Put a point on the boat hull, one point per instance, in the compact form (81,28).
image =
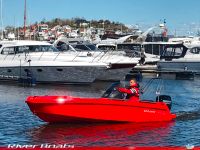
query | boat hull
(72,109)
(113,74)
(180,65)
(51,72)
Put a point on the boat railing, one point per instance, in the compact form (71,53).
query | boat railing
(99,55)
(14,56)
(60,52)
(5,57)
(57,56)
(9,55)
(76,56)
(41,55)
(110,54)
(102,56)
(107,54)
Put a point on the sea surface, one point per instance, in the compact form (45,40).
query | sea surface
(19,126)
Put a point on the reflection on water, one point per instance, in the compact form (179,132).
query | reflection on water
(125,134)
(20,126)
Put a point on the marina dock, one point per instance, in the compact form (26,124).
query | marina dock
(153,71)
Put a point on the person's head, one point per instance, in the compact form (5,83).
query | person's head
(133,83)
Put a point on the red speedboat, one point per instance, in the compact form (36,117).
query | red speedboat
(107,108)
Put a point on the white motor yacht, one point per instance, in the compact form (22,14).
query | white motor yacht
(119,64)
(19,59)
(178,57)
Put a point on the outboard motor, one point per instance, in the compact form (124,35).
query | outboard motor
(166,99)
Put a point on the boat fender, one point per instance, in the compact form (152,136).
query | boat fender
(166,99)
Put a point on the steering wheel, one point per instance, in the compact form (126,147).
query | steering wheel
(116,94)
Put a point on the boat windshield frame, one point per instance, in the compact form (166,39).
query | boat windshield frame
(170,52)
(85,46)
(112,93)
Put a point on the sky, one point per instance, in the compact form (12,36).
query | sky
(179,14)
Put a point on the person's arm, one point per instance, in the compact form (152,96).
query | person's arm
(125,90)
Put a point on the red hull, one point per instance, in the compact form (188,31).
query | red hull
(73,109)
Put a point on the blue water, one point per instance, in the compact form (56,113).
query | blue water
(20,126)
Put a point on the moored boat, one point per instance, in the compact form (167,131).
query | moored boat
(47,65)
(39,60)
(179,57)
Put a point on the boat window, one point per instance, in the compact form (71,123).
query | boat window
(54,49)
(195,50)
(65,47)
(131,39)
(21,49)
(75,42)
(59,69)
(8,50)
(135,47)
(106,47)
(60,43)
(154,49)
(41,48)
(9,70)
(39,70)
(175,51)
(130,49)
(26,70)
(81,47)
(61,46)
(46,48)
(92,47)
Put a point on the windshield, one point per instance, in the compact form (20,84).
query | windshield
(92,47)
(107,47)
(81,47)
(112,92)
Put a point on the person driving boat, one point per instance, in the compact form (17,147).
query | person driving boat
(132,92)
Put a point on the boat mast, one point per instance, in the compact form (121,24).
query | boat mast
(2,19)
(24,19)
